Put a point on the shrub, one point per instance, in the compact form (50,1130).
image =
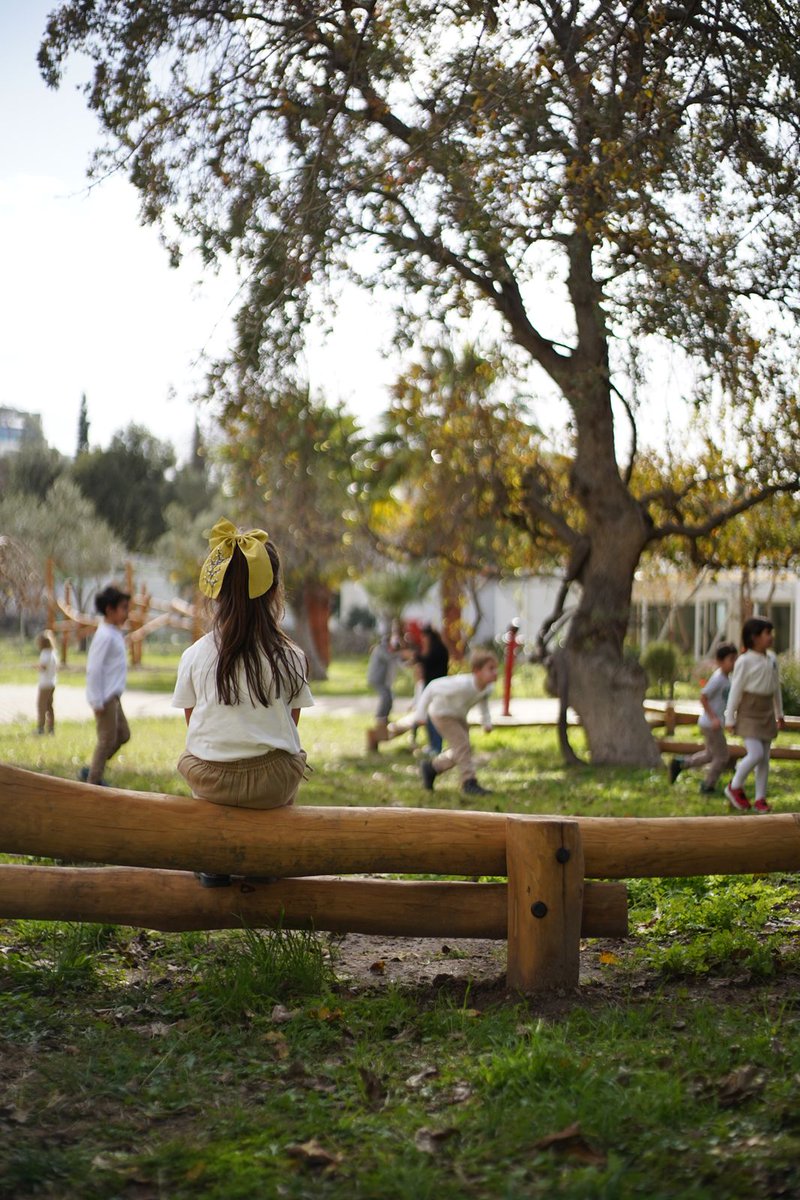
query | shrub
(661,661)
(790,684)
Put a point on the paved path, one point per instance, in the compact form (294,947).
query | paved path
(18,703)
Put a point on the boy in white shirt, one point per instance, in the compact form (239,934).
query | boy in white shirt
(106,676)
(447,701)
(713,698)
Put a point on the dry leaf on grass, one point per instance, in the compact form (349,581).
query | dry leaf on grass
(740,1085)
(431,1141)
(281,1014)
(314,1155)
(422,1076)
(324,1013)
(278,1043)
(570,1143)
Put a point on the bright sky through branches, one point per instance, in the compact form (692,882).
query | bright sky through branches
(89,303)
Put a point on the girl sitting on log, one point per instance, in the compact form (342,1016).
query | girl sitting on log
(242,685)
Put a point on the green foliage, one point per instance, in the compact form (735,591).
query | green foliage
(261,967)
(56,957)
(32,470)
(790,684)
(661,661)
(393,590)
(83,428)
(694,927)
(129,484)
(291,459)
(66,528)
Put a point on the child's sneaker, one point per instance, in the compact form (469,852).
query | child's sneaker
(675,768)
(428,774)
(471,787)
(761,806)
(737,798)
(707,789)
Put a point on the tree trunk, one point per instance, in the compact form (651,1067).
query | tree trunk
(303,636)
(317,602)
(606,689)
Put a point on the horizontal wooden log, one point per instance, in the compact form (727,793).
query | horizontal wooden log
(60,818)
(173,901)
(673,746)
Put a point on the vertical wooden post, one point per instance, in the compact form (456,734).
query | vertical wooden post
(545,866)
(67,624)
(50,587)
(669,719)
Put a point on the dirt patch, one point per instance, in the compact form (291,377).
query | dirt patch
(473,971)
(363,962)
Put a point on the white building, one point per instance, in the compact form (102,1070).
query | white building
(15,427)
(696,612)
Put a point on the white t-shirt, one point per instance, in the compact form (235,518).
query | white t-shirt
(106,665)
(454,696)
(716,693)
(227,732)
(757,673)
(47,669)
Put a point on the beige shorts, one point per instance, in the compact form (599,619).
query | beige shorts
(270,780)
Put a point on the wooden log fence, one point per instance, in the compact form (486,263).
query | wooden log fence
(287,865)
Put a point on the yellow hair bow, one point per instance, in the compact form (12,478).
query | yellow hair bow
(223,540)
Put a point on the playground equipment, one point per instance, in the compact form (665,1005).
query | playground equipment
(546,905)
(166,614)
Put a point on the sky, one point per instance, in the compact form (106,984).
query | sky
(88,302)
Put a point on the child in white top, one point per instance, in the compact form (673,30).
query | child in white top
(242,685)
(754,711)
(47,667)
(447,701)
(106,677)
(713,697)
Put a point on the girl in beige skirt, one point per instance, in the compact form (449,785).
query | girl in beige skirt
(754,711)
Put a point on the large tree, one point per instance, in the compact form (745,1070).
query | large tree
(294,462)
(591,172)
(130,485)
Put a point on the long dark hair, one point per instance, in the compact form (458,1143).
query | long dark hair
(248,631)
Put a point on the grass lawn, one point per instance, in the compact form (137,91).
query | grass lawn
(140,1065)
(347,675)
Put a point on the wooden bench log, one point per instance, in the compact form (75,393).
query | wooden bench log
(174,901)
(42,815)
(671,745)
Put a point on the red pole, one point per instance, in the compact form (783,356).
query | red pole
(510,640)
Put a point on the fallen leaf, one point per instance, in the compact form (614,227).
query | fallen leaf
(570,1143)
(608,959)
(280,1014)
(431,1141)
(740,1085)
(378,968)
(12,1114)
(279,1044)
(323,1013)
(416,1080)
(313,1154)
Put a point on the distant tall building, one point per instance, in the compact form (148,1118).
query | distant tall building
(17,427)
